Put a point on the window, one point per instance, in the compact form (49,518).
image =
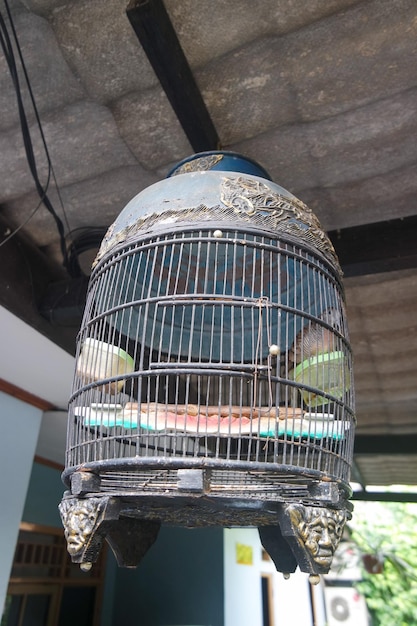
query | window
(46,588)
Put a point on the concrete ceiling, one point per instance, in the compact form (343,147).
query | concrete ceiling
(322,94)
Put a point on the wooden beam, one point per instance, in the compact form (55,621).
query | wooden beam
(48,463)
(154,29)
(25,396)
(386,444)
(384,496)
(378,247)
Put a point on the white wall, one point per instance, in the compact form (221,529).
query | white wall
(32,362)
(242,583)
(20,424)
(243,597)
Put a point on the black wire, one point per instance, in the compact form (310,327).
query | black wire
(32,97)
(22,225)
(90,237)
(7,47)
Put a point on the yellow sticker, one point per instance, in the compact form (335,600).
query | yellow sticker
(244,554)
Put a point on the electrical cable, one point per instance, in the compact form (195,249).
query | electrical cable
(32,97)
(22,225)
(7,47)
(89,238)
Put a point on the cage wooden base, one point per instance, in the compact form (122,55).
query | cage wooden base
(300,518)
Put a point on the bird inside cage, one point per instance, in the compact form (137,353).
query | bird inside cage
(317,359)
(316,338)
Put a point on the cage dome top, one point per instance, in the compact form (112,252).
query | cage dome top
(218,187)
(219,160)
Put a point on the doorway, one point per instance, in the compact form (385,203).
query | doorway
(267,600)
(30,605)
(46,588)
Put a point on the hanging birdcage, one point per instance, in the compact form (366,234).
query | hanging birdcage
(213,380)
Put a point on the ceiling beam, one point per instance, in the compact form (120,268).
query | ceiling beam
(378,247)
(385,496)
(154,29)
(386,444)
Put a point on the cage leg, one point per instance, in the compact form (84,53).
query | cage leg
(278,549)
(84,521)
(130,539)
(314,533)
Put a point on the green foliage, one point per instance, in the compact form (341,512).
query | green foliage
(389,532)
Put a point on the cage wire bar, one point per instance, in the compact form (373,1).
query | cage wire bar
(213,381)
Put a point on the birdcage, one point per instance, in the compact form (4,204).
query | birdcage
(213,381)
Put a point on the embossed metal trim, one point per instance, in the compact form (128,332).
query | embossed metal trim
(319,530)
(241,199)
(252,197)
(202,164)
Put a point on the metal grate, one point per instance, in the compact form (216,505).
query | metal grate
(248,483)
(222,344)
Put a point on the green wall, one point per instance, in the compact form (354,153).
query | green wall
(44,494)
(178,582)
(20,425)
(41,507)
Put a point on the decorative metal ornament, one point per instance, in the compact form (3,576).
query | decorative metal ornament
(213,381)
(81,519)
(200,164)
(318,531)
(286,215)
